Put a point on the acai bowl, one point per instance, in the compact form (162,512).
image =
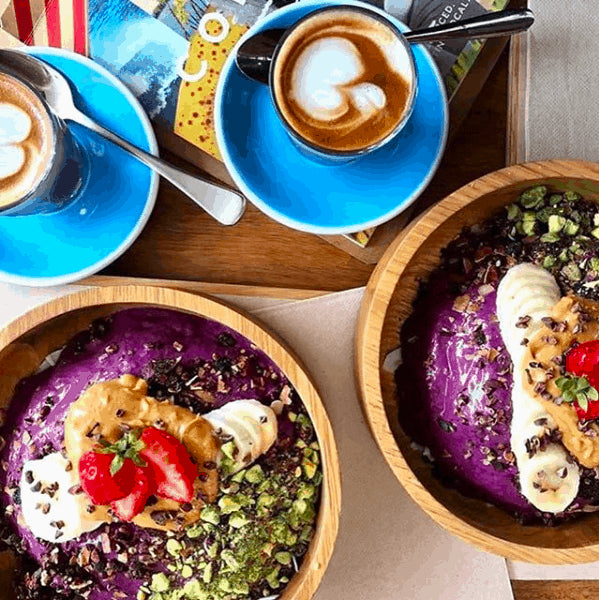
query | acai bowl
(486,415)
(159,445)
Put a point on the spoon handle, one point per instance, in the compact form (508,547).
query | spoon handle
(487,26)
(223,204)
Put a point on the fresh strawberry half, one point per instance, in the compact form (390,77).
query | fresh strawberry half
(172,467)
(128,507)
(583,360)
(581,383)
(99,483)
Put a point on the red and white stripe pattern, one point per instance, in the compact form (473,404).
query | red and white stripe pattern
(57,23)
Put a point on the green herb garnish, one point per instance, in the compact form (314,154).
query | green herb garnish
(128,446)
(577,389)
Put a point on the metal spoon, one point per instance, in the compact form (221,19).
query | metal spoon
(225,205)
(255,54)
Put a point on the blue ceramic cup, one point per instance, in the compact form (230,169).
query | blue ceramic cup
(64,168)
(393,45)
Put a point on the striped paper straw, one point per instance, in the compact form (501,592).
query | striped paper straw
(57,23)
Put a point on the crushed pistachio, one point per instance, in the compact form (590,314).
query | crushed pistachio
(253,538)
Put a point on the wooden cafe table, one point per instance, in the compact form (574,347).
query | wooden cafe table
(181,242)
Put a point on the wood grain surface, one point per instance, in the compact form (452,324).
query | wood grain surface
(556,590)
(387,303)
(181,242)
(27,340)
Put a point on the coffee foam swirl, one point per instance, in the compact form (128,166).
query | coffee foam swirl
(26,138)
(323,80)
(343,78)
(15,126)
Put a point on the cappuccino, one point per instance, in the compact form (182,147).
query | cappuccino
(26,140)
(343,79)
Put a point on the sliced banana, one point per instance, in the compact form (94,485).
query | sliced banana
(547,483)
(224,428)
(548,480)
(51,509)
(263,416)
(252,425)
(525,295)
(240,422)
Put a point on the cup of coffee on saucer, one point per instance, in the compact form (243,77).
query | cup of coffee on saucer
(343,82)
(43,167)
(355,150)
(71,202)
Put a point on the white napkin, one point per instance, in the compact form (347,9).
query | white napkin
(387,549)
(563,87)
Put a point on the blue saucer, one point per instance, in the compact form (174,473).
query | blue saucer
(303,194)
(116,203)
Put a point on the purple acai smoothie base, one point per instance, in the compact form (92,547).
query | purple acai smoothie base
(133,340)
(455,393)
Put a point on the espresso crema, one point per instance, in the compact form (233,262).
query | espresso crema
(343,79)
(26,140)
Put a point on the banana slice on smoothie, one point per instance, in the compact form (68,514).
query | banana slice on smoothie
(549,487)
(548,480)
(251,424)
(525,295)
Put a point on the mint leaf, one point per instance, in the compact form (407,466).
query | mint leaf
(583,402)
(579,389)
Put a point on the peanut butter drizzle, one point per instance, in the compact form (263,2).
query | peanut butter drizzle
(102,410)
(549,344)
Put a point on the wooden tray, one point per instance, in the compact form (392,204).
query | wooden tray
(27,340)
(202,287)
(387,303)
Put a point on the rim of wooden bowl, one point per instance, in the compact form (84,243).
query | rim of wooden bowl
(306,581)
(390,273)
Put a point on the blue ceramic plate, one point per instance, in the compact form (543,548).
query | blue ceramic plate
(114,206)
(325,199)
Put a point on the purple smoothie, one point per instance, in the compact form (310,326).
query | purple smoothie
(455,382)
(229,367)
(455,387)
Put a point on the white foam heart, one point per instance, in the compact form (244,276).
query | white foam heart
(15,124)
(12,159)
(316,86)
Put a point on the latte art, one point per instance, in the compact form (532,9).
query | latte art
(343,79)
(15,126)
(324,81)
(25,140)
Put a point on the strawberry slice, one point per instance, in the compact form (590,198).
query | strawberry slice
(590,414)
(128,507)
(100,483)
(583,360)
(172,467)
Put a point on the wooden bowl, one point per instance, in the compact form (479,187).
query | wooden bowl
(26,341)
(387,303)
